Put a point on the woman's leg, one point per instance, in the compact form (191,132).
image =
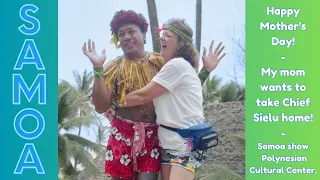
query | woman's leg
(180,173)
(165,171)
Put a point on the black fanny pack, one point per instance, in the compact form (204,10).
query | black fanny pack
(203,135)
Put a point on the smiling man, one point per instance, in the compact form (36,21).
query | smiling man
(133,148)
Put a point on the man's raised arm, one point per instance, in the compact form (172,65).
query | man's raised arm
(101,93)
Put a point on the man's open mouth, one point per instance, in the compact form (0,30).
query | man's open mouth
(129,44)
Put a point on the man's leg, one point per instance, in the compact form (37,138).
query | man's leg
(147,176)
(149,157)
(118,162)
(114,178)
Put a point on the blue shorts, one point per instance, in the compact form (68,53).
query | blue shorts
(188,160)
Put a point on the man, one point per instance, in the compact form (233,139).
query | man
(133,145)
(133,148)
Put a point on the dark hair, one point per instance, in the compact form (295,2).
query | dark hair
(187,49)
(126,17)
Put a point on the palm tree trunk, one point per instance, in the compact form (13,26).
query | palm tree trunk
(79,132)
(198,24)
(82,113)
(153,25)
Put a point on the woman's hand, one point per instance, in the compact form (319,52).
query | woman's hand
(211,61)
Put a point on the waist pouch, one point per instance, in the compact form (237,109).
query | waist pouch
(203,135)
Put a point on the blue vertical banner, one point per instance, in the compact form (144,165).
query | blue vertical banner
(29,54)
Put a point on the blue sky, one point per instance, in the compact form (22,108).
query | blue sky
(80,20)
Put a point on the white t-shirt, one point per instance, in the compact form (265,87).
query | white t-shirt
(181,107)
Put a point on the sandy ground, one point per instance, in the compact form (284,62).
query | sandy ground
(228,119)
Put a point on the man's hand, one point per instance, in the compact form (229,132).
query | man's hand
(96,60)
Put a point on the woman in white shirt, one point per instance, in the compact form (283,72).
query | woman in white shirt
(176,91)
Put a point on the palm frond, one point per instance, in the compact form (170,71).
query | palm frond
(85,159)
(72,177)
(87,80)
(80,154)
(66,107)
(84,82)
(70,172)
(77,77)
(210,89)
(77,122)
(102,133)
(212,84)
(75,111)
(229,92)
(75,148)
(241,95)
(83,143)
(63,156)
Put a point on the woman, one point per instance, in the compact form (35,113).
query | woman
(177,96)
